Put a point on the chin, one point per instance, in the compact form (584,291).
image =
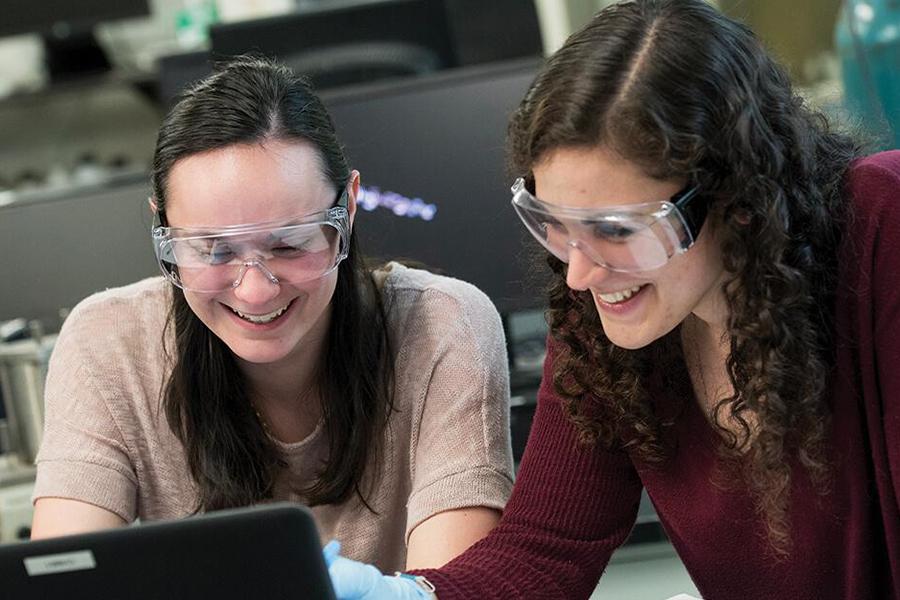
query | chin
(259,353)
(627,339)
(629,344)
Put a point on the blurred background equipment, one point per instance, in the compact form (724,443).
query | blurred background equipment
(23,368)
(439,140)
(67,30)
(24,352)
(340,43)
(349,43)
(867,39)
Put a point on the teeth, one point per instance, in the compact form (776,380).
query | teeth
(260,319)
(616,297)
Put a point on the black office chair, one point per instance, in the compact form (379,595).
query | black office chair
(361,62)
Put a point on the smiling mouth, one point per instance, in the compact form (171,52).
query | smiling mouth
(620,296)
(262,319)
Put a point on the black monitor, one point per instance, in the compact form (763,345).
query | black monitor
(67,29)
(347,43)
(431,155)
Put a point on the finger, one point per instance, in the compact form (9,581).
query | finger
(331,551)
(353,580)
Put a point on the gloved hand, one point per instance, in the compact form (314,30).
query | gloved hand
(358,581)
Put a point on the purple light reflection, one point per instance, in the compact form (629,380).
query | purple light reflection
(371,198)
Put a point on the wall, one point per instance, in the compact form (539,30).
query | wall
(799,32)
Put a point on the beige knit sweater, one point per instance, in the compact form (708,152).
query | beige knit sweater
(107,442)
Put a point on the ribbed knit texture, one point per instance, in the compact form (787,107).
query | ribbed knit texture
(447,446)
(572,506)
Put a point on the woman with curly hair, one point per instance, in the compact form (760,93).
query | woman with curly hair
(725,326)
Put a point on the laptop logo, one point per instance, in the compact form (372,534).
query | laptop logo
(64,562)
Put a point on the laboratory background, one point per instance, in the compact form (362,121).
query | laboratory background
(420,92)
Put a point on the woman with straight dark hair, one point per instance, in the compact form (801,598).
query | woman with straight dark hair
(270,363)
(725,326)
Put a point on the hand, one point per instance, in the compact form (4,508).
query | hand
(358,581)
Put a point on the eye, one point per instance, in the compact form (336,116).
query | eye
(295,243)
(220,255)
(551,225)
(289,243)
(612,230)
(285,250)
(214,253)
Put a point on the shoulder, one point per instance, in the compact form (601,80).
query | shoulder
(436,319)
(109,356)
(873,186)
(871,248)
(124,316)
(407,290)
(139,293)
(143,300)
(883,163)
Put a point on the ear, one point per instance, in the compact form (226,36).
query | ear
(353,193)
(743,217)
(153,206)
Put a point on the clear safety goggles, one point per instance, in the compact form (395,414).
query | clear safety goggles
(627,238)
(202,259)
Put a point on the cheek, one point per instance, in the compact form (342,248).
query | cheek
(201,304)
(209,310)
(708,264)
(317,294)
(690,277)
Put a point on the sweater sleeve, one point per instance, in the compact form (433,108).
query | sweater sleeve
(84,454)
(461,454)
(875,184)
(571,507)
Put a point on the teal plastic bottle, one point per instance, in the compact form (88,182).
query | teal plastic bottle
(867,40)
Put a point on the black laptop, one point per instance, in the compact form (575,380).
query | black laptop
(269,552)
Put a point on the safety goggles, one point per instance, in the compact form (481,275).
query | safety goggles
(628,238)
(202,259)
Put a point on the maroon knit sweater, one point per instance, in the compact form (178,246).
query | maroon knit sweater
(572,505)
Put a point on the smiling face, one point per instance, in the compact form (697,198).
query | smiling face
(641,307)
(260,321)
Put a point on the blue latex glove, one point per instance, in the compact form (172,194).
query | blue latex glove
(358,581)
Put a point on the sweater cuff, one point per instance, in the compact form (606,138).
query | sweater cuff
(86,482)
(479,486)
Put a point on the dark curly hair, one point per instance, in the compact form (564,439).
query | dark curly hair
(686,93)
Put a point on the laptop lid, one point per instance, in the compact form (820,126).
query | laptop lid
(271,551)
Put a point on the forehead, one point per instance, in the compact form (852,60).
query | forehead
(596,177)
(247,183)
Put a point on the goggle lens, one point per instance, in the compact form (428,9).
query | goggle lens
(627,239)
(291,254)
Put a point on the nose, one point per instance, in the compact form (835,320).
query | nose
(256,285)
(582,271)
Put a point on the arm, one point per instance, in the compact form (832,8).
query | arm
(61,516)
(456,529)
(571,507)
(870,331)
(461,457)
(874,235)
(85,478)
(881,187)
